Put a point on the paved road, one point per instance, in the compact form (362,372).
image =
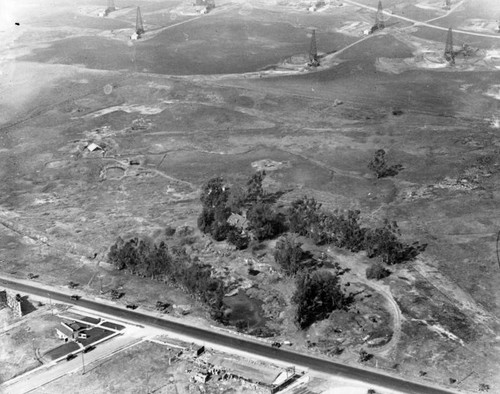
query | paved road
(49,372)
(242,344)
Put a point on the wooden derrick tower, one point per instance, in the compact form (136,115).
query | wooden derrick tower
(139,26)
(379,17)
(449,54)
(111,7)
(313,51)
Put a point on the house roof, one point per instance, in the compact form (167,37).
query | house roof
(75,326)
(65,330)
(92,147)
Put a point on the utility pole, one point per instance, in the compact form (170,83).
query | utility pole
(50,304)
(83,363)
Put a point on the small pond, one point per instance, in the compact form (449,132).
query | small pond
(245,308)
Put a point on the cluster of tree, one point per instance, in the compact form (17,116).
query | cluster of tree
(145,258)
(220,201)
(305,217)
(318,293)
(385,243)
(378,164)
(343,229)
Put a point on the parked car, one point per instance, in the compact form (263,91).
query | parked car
(276,344)
(75,297)
(72,285)
(70,356)
(88,349)
(131,306)
(32,276)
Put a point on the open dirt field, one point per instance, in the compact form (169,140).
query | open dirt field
(189,101)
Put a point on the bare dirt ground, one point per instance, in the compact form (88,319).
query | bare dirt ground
(164,133)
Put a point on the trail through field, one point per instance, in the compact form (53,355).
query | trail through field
(418,23)
(357,270)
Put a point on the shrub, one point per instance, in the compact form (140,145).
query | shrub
(377,271)
(364,356)
(184,231)
(169,231)
(379,166)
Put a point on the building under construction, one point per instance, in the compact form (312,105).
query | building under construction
(313,51)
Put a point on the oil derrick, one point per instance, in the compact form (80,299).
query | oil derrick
(449,54)
(139,27)
(313,51)
(379,17)
(111,7)
(447,4)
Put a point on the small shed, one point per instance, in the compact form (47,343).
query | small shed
(92,147)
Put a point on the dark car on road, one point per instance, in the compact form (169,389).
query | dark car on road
(75,297)
(131,306)
(70,357)
(88,349)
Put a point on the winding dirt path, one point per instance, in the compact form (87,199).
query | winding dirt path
(358,273)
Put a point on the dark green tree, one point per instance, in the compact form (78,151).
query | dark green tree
(289,254)
(255,191)
(214,193)
(303,215)
(264,221)
(317,295)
